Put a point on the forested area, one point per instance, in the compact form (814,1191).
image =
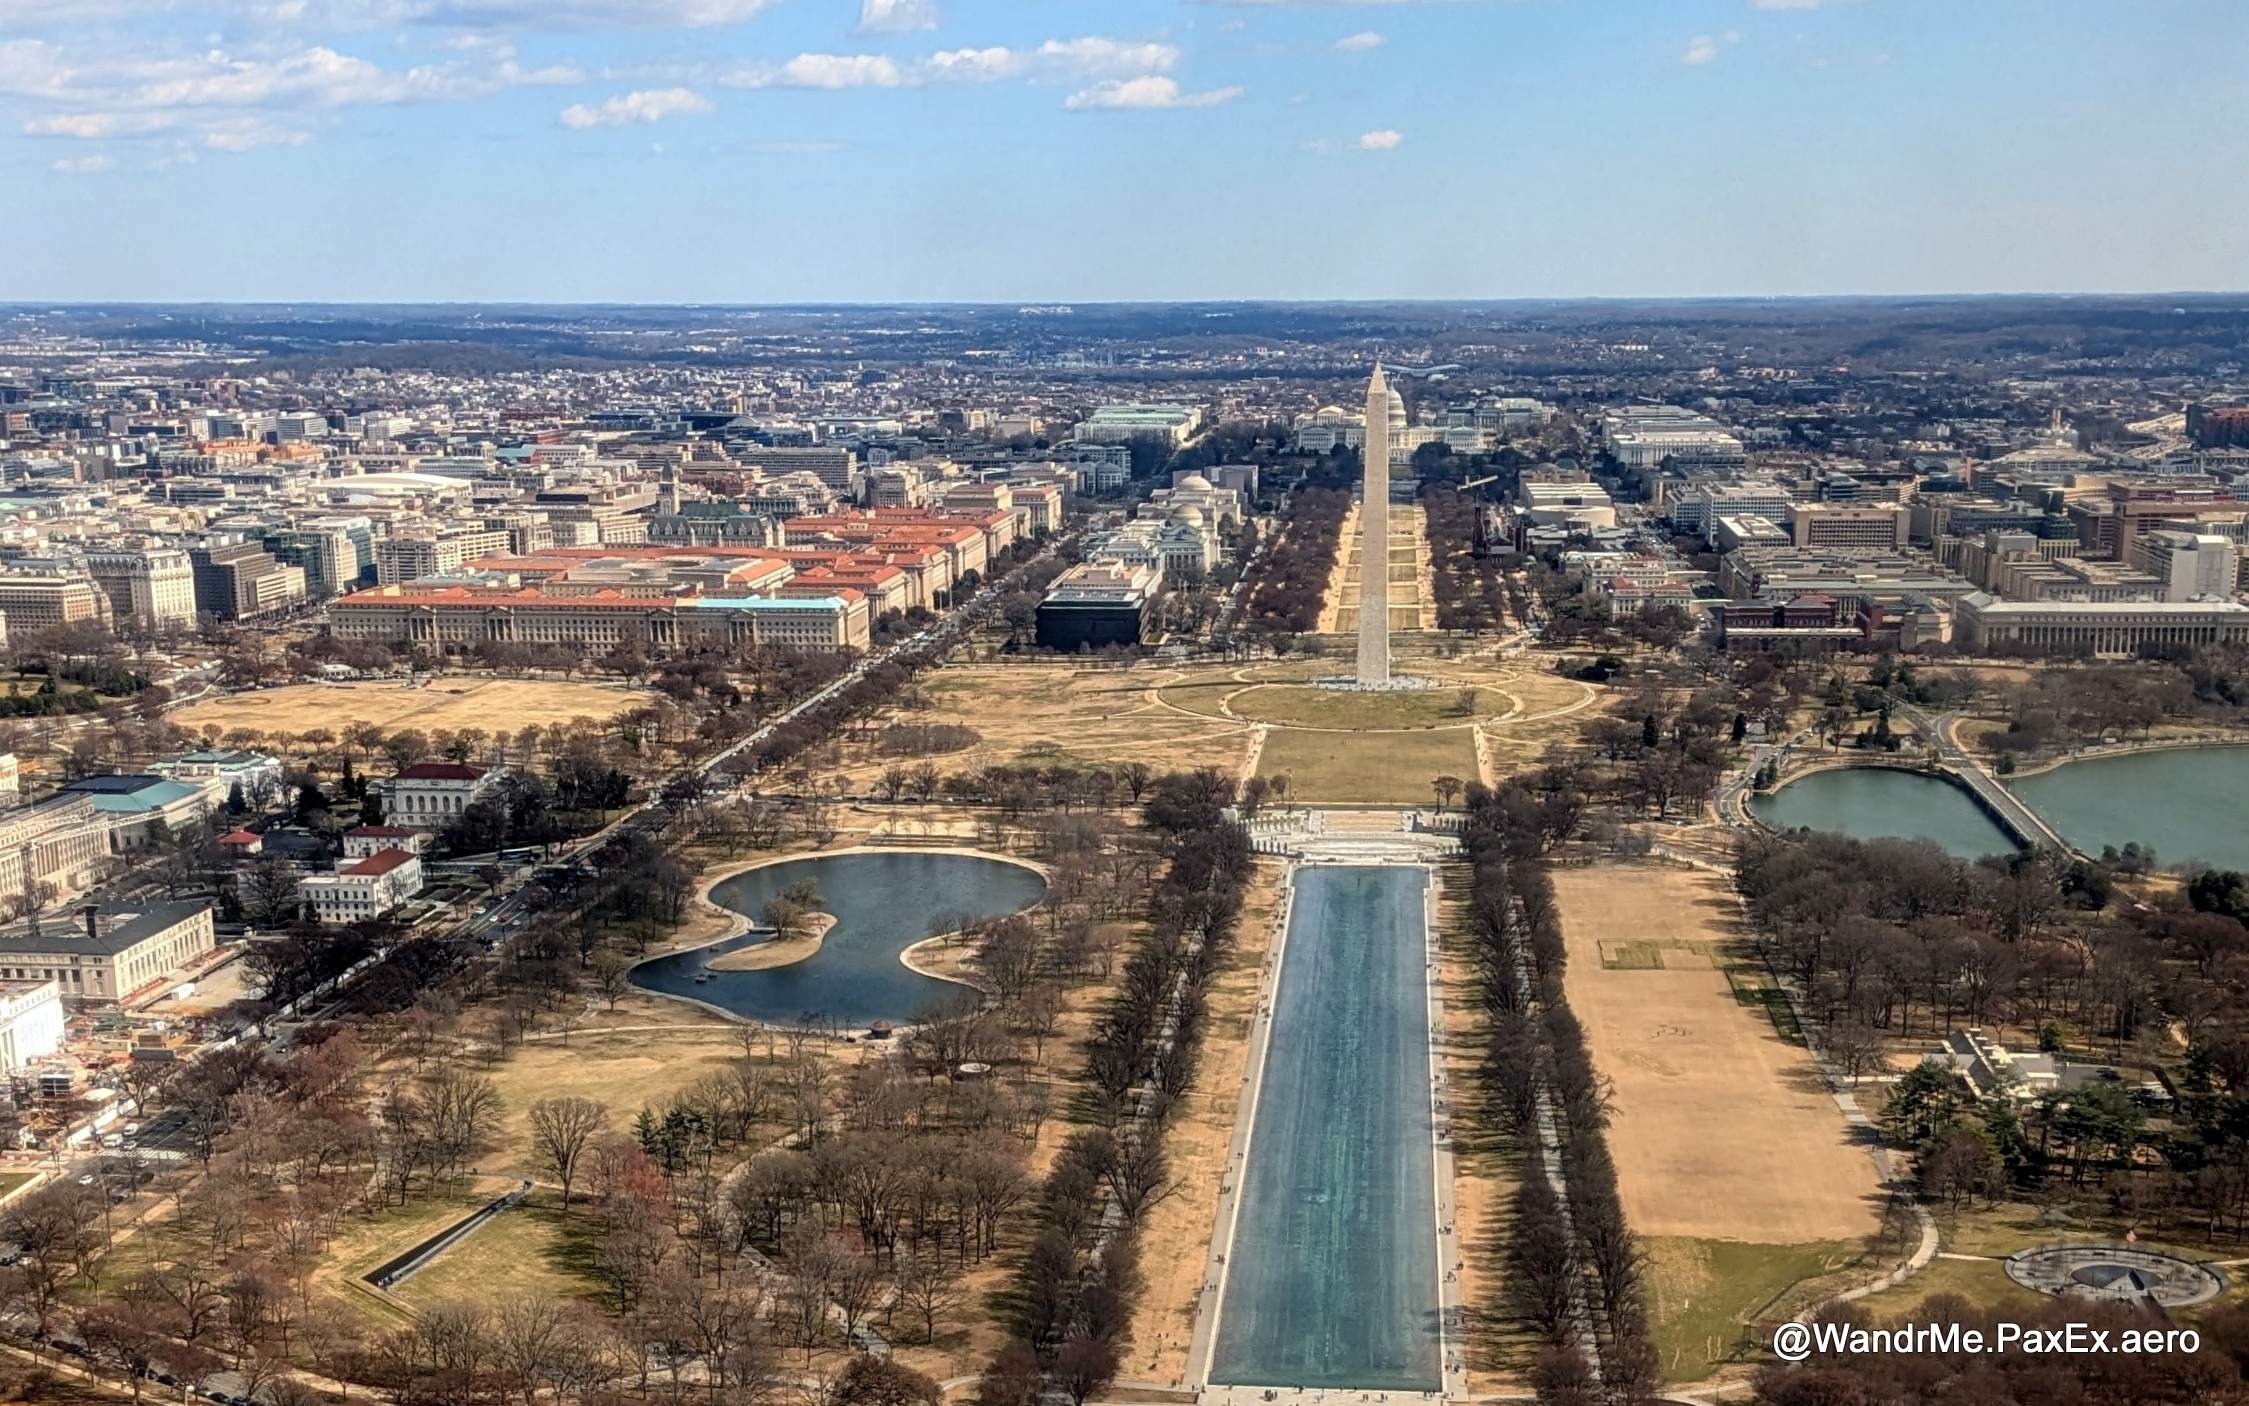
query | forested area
(1894,938)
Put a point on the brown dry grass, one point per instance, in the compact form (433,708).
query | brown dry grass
(445,703)
(1048,713)
(1722,1130)
(1411,586)
(1178,1232)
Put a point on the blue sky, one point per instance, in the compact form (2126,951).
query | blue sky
(876,150)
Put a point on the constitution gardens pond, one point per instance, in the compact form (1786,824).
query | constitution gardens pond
(883,902)
(1874,803)
(2188,802)
(1332,1277)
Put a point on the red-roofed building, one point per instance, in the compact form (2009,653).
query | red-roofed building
(365,889)
(459,618)
(430,795)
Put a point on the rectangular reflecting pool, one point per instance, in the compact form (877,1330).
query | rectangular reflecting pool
(1332,1276)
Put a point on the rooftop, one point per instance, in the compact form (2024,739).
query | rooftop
(118,928)
(380,862)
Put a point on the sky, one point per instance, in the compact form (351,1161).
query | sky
(757,151)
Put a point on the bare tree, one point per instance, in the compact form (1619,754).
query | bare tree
(561,1130)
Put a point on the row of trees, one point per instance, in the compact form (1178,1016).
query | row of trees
(1286,597)
(1473,587)
(1070,1303)
(1573,1267)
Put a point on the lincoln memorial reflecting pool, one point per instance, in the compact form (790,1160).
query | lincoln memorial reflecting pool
(883,902)
(1332,1277)
(2190,803)
(1873,803)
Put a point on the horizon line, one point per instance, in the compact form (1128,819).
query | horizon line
(20,303)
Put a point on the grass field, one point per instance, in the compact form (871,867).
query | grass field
(1394,768)
(625,1071)
(531,1250)
(1722,1129)
(1981,1282)
(1709,1297)
(1048,713)
(1327,707)
(455,703)
(1411,604)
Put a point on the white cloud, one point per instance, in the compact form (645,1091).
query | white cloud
(1057,60)
(896,16)
(1098,54)
(825,71)
(94,126)
(1386,139)
(1151,90)
(82,165)
(516,15)
(1359,43)
(232,102)
(648,105)
(1700,50)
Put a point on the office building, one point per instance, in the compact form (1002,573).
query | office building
(1097,604)
(1875,525)
(149,588)
(2113,628)
(363,890)
(2189,565)
(32,602)
(1117,424)
(237,579)
(837,468)
(114,954)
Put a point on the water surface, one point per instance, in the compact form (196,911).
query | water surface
(2189,802)
(883,902)
(1332,1275)
(1875,803)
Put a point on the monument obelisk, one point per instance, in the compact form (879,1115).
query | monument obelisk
(1374,539)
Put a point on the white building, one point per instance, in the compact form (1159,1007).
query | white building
(2191,565)
(31,1022)
(363,841)
(152,588)
(220,770)
(364,889)
(116,954)
(1982,621)
(1217,505)
(1331,425)
(1115,424)
(429,795)
(1643,436)
(1580,507)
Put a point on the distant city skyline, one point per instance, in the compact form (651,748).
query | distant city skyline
(804,151)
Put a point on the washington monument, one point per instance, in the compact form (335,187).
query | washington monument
(1374,540)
